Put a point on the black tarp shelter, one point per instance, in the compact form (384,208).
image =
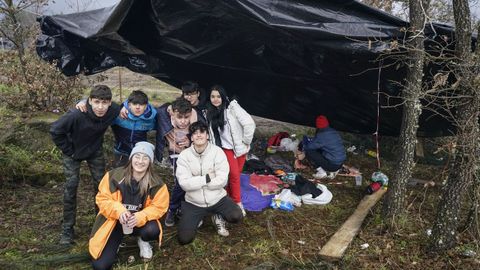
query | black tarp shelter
(284,60)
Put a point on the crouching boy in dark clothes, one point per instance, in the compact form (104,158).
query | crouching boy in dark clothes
(173,122)
(80,137)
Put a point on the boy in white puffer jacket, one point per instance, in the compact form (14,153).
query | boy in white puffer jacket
(202,172)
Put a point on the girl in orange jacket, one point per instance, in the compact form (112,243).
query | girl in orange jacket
(130,200)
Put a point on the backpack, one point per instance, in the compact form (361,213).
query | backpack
(277,138)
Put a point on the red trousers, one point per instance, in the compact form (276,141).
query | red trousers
(236,167)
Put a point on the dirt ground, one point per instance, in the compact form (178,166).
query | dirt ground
(31,212)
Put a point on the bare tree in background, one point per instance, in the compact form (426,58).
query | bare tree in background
(12,27)
(32,84)
(394,205)
(385,5)
(463,171)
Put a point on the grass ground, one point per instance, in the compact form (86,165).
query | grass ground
(31,191)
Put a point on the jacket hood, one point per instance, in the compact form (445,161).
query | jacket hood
(148,114)
(110,115)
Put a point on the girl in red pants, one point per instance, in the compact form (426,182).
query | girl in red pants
(231,128)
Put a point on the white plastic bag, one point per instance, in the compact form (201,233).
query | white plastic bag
(287,196)
(287,144)
(323,198)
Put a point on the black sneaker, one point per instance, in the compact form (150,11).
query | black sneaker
(170,219)
(66,239)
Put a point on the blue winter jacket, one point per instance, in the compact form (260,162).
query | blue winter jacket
(133,129)
(329,143)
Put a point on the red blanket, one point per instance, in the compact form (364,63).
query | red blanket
(266,184)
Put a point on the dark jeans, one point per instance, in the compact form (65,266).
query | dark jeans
(149,232)
(318,160)
(192,214)
(177,196)
(71,168)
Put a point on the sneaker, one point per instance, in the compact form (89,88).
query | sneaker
(66,239)
(243,209)
(220,224)
(332,175)
(170,219)
(320,174)
(145,249)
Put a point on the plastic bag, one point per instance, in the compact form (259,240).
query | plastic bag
(287,196)
(287,144)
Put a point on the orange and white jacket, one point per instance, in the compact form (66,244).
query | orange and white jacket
(109,201)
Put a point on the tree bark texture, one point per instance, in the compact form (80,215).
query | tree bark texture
(394,205)
(462,173)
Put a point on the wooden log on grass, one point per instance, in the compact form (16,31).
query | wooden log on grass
(339,242)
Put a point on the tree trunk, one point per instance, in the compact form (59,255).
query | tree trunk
(394,205)
(462,174)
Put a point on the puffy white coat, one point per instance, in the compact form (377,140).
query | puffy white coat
(192,169)
(241,126)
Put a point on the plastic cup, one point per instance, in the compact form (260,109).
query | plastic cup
(127,229)
(358,180)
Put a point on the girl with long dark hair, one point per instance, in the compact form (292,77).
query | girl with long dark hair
(232,129)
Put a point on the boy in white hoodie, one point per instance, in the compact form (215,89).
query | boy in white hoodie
(202,172)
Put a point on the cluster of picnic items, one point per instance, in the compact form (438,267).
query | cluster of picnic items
(274,182)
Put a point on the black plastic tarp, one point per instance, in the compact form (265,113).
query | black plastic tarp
(284,60)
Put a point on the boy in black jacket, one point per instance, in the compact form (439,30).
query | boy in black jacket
(80,137)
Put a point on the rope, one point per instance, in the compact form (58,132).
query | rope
(378,114)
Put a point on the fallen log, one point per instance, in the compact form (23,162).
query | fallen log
(339,242)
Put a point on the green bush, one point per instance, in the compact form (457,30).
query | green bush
(14,159)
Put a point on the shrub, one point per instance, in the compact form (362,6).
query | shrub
(41,87)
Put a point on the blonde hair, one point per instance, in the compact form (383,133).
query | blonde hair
(147,181)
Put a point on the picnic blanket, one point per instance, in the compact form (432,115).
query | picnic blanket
(252,199)
(266,184)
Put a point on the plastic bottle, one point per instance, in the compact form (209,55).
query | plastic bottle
(371,153)
(373,187)
(358,180)
(287,206)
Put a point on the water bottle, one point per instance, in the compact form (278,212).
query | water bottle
(287,206)
(373,187)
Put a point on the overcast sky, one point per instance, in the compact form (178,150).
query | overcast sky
(72,6)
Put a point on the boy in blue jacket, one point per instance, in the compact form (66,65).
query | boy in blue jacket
(141,118)
(325,151)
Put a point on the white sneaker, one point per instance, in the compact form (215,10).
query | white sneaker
(145,249)
(321,173)
(332,175)
(240,204)
(220,224)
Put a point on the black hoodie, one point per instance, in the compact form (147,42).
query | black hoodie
(78,134)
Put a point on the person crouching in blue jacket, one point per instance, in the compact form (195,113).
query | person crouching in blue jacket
(325,151)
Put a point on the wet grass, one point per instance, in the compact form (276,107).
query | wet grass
(31,212)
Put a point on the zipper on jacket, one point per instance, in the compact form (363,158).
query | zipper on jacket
(233,141)
(201,173)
